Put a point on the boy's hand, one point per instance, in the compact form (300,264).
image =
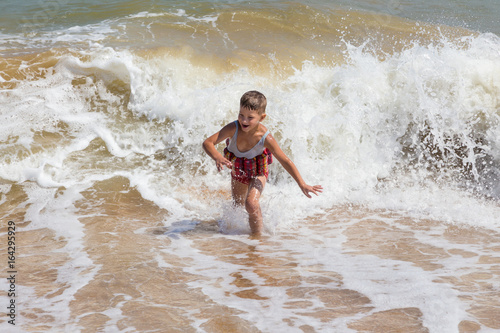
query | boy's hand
(314,189)
(221,162)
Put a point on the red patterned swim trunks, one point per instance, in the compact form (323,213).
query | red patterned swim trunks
(244,169)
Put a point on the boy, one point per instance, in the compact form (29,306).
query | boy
(250,149)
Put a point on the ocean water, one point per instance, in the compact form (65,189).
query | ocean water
(123,224)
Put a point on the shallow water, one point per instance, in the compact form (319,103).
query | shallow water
(350,269)
(124,225)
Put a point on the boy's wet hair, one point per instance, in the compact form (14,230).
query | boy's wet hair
(254,100)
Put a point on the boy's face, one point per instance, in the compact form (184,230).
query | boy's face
(249,119)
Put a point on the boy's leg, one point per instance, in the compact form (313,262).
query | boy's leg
(252,204)
(239,192)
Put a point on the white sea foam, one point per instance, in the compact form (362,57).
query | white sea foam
(56,212)
(389,284)
(344,126)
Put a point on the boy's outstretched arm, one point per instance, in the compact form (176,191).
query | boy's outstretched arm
(290,167)
(209,146)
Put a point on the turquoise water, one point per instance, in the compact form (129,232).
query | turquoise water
(480,15)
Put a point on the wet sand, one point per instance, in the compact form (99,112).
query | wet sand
(143,277)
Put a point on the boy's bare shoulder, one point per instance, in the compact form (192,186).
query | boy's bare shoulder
(262,129)
(229,129)
(270,141)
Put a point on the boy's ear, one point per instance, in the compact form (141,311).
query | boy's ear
(262,117)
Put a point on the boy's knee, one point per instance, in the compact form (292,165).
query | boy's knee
(252,206)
